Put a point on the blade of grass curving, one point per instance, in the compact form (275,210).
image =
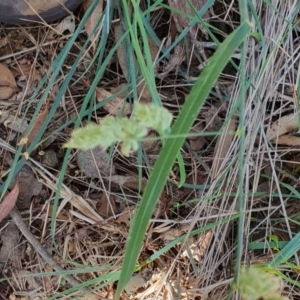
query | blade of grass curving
(171,148)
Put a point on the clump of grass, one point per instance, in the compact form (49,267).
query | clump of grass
(170,149)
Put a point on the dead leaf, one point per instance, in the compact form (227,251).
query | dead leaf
(115,89)
(66,25)
(77,201)
(9,201)
(222,147)
(8,85)
(116,105)
(94,163)
(28,77)
(142,89)
(93,20)
(81,205)
(167,233)
(283,125)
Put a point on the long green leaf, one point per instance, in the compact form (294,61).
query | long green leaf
(171,148)
(288,251)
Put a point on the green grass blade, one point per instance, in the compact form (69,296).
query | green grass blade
(171,148)
(289,250)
